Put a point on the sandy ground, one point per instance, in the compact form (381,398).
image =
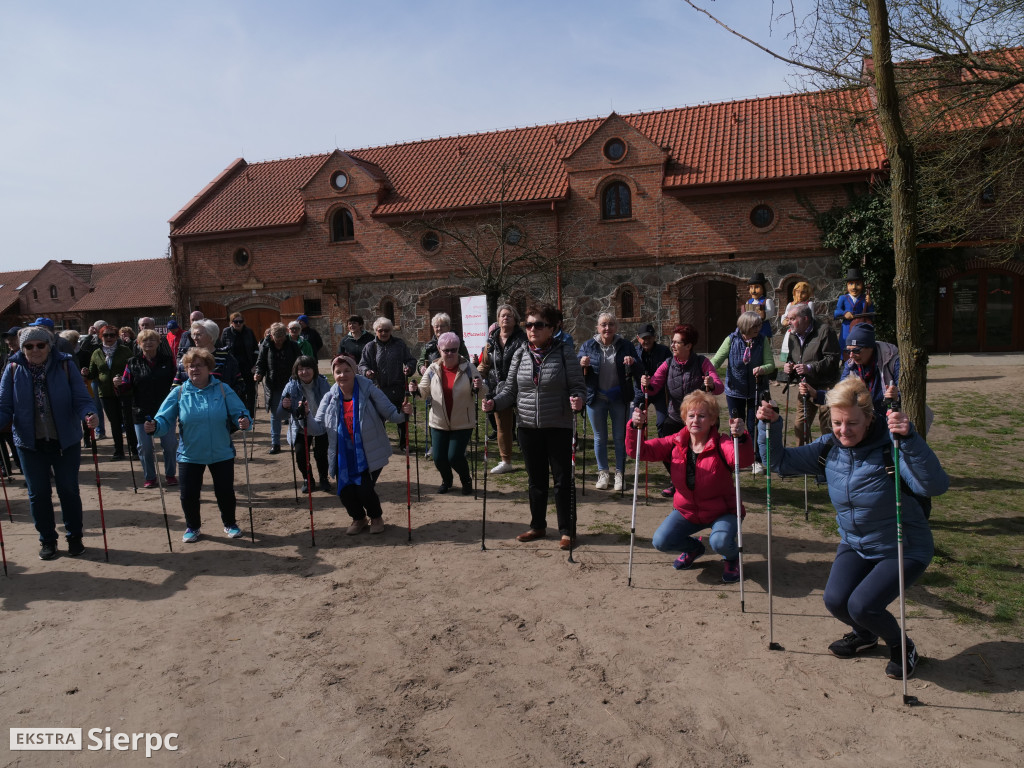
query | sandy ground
(371,651)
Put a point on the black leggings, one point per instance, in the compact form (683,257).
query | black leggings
(317,447)
(544,449)
(361,501)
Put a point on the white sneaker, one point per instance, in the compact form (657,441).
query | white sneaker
(758,468)
(618,481)
(602,480)
(502,467)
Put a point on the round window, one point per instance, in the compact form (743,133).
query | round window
(615,149)
(241,257)
(339,180)
(513,235)
(430,241)
(762,216)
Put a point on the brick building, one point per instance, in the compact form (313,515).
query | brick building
(75,295)
(660,216)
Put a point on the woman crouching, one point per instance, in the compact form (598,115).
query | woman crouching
(702,463)
(206,411)
(857,457)
(357,444)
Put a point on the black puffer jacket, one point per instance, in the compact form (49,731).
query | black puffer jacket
(148,383)
(497,359)
(544,403)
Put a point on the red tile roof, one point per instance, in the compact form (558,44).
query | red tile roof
(9,283)
(127,285)
(249,196)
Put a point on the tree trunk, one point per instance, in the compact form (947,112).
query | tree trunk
(492,306)
(903,176)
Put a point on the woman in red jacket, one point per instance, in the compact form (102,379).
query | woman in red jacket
(702,463)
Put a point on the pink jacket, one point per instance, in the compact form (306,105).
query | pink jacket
(714,492)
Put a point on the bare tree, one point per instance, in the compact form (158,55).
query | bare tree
(505,246)
(949,103)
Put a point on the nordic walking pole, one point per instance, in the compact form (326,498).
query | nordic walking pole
(734,414)
(408,472)
(126,415)
(309,470)
(99,492)
(3,550)
(807,439)
(248,486)
(583,452)
(3,482)
(636,482)
(163,503)
(476,436)
(647,467)
(295,479)
(785,423)
(483,520)
(907,699)
(772,645)
(416,433)
(572,490)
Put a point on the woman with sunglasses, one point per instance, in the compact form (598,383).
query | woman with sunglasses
(45,401)
(605,359)
(107,362)
(448,385)
(545,383)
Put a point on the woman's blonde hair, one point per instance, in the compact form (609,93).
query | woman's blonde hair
(699,397)
(851,392)
(146,335)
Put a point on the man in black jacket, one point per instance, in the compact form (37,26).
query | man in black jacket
(274,368)
(813,357)
(240,342)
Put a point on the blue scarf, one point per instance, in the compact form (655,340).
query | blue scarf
(351,456)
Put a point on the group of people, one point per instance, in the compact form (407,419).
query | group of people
(192,389)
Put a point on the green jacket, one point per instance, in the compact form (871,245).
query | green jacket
(103,374)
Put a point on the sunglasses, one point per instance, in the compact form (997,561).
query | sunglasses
(539,325)
(109,335)
(451,351)
(237,322)
(855,350)
(30,346)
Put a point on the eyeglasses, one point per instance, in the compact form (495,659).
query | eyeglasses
(30,346)
(539,325)
(675,343)
(451,351)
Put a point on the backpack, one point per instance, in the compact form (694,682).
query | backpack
(890,470)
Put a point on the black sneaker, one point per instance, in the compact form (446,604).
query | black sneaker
(894,669)
(117,456)
(325,486)
(305,487)
(274,450)
(850,645)
(467,489)
(75,546)
(48,550)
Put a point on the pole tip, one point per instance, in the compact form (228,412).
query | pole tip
(775,647)
(911,701)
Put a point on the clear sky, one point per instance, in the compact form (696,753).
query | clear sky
(114,114)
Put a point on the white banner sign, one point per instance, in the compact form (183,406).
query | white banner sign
(474,323)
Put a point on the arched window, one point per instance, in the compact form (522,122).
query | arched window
(53,291)
(341,226)
(616,202)
(626,303)
(35,295)
(387,309)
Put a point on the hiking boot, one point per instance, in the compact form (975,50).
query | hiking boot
(233,531)
(894,669)
(602,480)
(325,486)
(48,550)
(356,526)
(443,488)
(172,480)
(668,492)
(75,546)
(190,536)
(730,571)
(851,644)
(618,481)
(687,559)
(377,525)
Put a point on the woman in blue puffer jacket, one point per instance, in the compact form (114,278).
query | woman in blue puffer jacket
(857,456)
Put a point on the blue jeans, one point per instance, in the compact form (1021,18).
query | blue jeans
(450,454)
(859,591)
(36,464)
(273,400)
(598,413)
(94,390)
(675,534)
(168,444)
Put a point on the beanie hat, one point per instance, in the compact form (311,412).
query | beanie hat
(171,324)
(861,335)
(34,333)
(303,319)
